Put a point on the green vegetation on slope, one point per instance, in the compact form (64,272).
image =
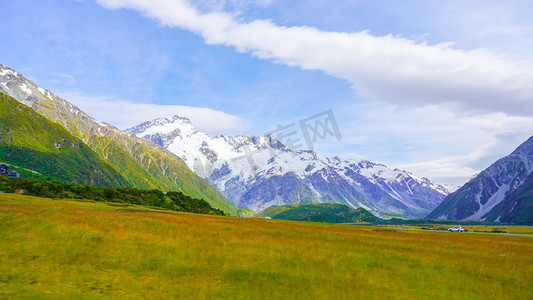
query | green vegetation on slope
(57,249)
(245,212)
(58,189)
(28,173)
(320,212)
(273,210)
(142,163)
(339,213)
(29,140)
(122,161)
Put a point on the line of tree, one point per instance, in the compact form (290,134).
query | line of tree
(176,201)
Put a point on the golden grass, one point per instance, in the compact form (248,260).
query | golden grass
(69,249)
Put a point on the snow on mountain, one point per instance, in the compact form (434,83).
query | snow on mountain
(260,171)
(143,164)
(14,85)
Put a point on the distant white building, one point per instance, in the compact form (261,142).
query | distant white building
(4,170)
(13,174)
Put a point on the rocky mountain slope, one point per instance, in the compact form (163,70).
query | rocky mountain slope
(29,139)
(517,207)
(501,193)
(141,163)
(258,172)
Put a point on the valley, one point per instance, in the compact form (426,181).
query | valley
(72,249)
(264,149)
(235,173)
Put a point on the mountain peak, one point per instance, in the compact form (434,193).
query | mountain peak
(178,119)
(141,163)
(5,70)
(525,153)
(486,196)
(259,171)
(164,125)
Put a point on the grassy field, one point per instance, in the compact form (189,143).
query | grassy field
(69,249)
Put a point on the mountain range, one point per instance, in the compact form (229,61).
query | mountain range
(260,171)
(54,139)
(142,164)
(503,192)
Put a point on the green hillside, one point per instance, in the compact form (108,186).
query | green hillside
(273,210)
(123,162)
(245,212)
(29,140)
(320,212)
(142,163)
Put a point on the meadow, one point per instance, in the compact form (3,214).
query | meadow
(53,249)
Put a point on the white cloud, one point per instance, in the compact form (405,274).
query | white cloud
(218,5)
(444,170)
(387,68)
(456,170)
(430,141)
(466,107)
(125,114)
(504,26)
(263,3)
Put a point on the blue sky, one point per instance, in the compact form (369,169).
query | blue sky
(439,88)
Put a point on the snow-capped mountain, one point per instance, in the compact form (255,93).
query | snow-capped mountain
(257,172)
(488,195)
(142,164)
